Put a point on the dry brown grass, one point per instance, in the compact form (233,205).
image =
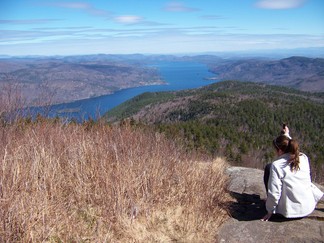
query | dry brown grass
(11,101)
(75,183)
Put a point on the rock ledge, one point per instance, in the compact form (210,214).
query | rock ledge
(246,187)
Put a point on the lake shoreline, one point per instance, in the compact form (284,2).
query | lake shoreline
(174,76)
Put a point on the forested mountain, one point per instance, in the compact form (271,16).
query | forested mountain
(236,119)
(301,73)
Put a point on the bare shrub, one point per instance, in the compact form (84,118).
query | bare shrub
(101,184)
(254,159)
(11,102)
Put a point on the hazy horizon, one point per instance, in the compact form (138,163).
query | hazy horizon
(159,27)
(273,54)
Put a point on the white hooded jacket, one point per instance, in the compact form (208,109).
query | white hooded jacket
(291,193)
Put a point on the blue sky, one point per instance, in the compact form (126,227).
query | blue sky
(46,27)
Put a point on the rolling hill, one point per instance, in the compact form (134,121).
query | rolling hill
(301,73)
(235,119)
(66,79)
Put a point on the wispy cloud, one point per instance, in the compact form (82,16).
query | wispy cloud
(134,20)
(25,36)
(179,7)
(28,21)
(39,35)
(129,19)
(83,6)
(279,4)
(145,40)
(83,28)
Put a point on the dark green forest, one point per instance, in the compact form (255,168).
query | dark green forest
(237,120)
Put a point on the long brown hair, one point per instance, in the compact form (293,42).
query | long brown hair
(290,146)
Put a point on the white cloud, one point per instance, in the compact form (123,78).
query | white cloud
(135,20)
(178,7)
(279,4)
(129,19)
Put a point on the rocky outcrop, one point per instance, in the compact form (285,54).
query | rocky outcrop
(246,187)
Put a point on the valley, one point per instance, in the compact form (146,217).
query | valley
(234,119)
(53,80)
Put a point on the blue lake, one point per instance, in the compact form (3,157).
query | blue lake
(177,75)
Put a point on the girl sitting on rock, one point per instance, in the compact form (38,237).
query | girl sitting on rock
(290,192)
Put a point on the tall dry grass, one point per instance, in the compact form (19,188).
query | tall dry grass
(11,102)
(79,183)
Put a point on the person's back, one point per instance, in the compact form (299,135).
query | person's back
(296,198)
(290,191)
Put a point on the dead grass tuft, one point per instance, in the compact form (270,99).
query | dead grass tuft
(71,183)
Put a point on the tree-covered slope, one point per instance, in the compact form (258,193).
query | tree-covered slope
(235,119)
(297,72)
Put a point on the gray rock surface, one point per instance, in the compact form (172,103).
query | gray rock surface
(247,189)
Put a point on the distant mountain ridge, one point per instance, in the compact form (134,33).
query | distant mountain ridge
(301,73)
(70,78)
(73,78)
